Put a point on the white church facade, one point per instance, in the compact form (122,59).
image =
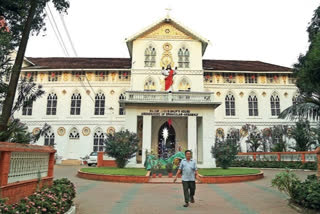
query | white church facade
(88,97)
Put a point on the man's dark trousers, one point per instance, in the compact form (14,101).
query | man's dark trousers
(186,186)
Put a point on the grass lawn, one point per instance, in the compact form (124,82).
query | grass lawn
(116,171)
(230,171)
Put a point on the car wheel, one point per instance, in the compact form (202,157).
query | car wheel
(89,164)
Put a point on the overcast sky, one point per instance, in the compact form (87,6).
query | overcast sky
(272,31)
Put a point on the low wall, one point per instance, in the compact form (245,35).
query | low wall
(310,156)
(16,191)
(21,166)
(114,178)
(105,162)
(230,179)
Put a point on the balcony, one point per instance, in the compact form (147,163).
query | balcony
(161,97)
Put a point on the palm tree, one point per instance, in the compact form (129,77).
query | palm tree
(306,106)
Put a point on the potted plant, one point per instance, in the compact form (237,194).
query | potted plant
(159,169)
(153,171)
(85,160)
(169,168)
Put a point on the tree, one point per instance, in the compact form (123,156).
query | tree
(122,146)
(278,136)
(301,133)
(224,151)
(254,139)
(307,73)
(17,132)
(23,18)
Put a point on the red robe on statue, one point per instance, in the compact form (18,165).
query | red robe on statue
(169,80)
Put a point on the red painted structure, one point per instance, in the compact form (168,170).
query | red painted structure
(105,163)
(18,190)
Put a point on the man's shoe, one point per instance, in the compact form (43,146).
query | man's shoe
(192,200)
(186,205)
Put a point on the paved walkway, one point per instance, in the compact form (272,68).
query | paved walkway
(255,197)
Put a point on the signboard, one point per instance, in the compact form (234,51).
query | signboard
(164,112)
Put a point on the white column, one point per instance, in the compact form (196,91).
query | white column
(192,136)
(131,125)
(146,136)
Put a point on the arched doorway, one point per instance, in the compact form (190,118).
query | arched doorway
(166,140)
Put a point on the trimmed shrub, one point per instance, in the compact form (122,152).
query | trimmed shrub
(224,152)
(122,146)
(275,164)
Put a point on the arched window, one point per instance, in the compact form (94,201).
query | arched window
(27,108)
(149,85)
(122,110)
(99,104)
(150,57)
(75,104)
(294,99)
(49,139)
(52,104)
(184,85)
(98,141)
(74,134)
(253,105)
(275,105)
(230,105)
(183,58)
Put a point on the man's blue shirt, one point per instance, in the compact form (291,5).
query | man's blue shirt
(188,169)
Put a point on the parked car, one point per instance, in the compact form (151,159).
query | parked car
(93,159)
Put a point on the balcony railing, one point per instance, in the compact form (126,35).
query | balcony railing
(166,97)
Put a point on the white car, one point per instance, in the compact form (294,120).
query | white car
(93,159)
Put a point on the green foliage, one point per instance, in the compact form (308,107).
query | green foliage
(169,167)
(224,151)
(286,182)
(17,132)
(307,72)
(122,146)
(56,199)
(22,18)
(275,164)
(306,194)
(301,133)
(254,139)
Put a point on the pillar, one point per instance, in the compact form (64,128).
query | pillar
(4,167)
(51,164)
(147,135)
(192,136)
(318,162)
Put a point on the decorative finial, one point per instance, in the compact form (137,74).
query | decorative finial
(168,9)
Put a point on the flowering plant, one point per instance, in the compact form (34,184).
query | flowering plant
(56,199)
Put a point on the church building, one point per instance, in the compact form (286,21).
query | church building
(165,92)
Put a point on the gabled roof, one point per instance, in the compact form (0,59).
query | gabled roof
(125,63)
(241,65)
(80,63)
(177,24)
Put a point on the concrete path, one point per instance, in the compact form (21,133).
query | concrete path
(255,197)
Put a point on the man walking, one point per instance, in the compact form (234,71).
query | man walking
(189,170)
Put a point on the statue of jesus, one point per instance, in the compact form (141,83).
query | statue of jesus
(168,73)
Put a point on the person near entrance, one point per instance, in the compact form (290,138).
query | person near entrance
(189,170)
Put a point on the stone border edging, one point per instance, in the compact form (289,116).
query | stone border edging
(72,210)
(230,178)
(113,178)
(145,179)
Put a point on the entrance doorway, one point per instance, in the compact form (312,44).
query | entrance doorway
(166,140)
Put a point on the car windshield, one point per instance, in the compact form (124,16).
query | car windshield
(93,154)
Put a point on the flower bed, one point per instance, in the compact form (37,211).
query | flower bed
(53,200)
